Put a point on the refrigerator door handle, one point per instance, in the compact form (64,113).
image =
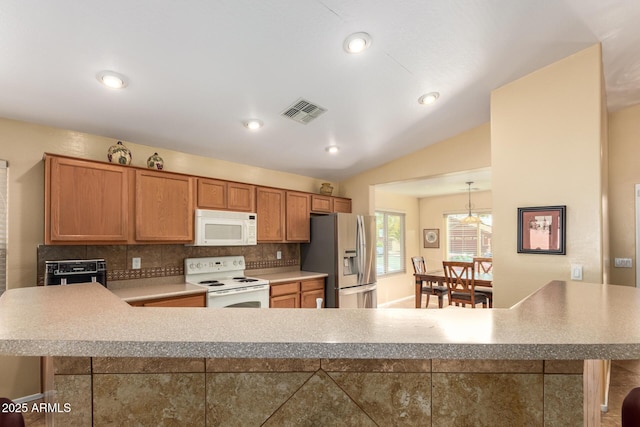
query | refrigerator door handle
(362,246)
(358,289)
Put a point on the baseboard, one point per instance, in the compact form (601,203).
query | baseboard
(395,301)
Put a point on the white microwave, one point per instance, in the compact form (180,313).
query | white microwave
(224,228)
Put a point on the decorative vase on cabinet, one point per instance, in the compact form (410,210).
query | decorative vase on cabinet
(119,154)
(155,162)
(326,189)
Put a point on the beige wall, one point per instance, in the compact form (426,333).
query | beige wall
(398,286)
(546,141)
(624,173)
(465,151)
(432,211)
(23,145)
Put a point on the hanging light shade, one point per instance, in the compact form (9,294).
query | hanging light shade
(470,219)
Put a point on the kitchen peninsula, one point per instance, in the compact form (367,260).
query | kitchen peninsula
(324,364)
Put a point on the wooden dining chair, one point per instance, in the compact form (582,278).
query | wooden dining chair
(484,265)
(461,284)
(428,287)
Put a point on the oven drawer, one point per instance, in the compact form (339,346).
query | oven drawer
(285,288)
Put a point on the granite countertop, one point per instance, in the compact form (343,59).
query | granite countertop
(289,276)
(138,293)
(563,320)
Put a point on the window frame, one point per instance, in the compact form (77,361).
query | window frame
(487,218)
(4,223)
(385,252)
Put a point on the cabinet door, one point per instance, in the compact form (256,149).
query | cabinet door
(311,289)
(270,208)
(286,301)
(212,194)
(164,207)
(298,217)
(85,201)
(241,197)
(321,204)
(341,205)
(199,300)
(308,298)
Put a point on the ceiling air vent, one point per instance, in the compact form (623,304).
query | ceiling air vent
(303,111)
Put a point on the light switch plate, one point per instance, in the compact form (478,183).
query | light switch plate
(135,263)
(576,271)
(622,262)
(278,254)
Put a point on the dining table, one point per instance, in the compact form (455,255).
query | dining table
(437,277)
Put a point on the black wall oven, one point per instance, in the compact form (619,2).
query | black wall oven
(68,272)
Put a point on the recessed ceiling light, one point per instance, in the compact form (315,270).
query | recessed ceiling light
(332,149)
(253,124)
(429,98)
(357,42)
(112,79)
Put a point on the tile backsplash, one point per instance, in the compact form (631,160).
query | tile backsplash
(166,260)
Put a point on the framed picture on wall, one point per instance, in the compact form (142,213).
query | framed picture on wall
(431,237)
(542,230)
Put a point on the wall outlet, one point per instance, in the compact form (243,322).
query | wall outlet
(576,271)
(622,262)
(278,254)
(135,263)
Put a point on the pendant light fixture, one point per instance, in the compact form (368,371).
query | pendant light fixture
(470,219)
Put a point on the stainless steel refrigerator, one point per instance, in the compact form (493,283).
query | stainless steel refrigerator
(343,246)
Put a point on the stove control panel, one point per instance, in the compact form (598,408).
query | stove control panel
(213,264)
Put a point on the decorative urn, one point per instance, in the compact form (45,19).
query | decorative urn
(155,162)
(119,154)
(326,189)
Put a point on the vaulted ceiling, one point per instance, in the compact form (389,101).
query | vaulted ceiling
(196,70)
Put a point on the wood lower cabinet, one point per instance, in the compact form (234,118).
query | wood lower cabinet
(85,201)
(163,207)
(310,290)
(199,300)
(297,294)
(225,195)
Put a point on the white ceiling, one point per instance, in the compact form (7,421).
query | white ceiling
(197,69)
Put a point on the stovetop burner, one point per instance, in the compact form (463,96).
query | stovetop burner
(221,274)
(211,283)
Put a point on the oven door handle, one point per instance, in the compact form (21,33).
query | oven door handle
(241,290)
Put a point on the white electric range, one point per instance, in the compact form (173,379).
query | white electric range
(226,284)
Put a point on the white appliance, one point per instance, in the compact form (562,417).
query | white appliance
(226,284)
(225,228)
(343,246)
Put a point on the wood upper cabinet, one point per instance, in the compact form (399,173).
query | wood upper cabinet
(85,201)
(321,203)
(298,216)
(212,194)
(163,207)
(270,209)
(341,205)
(225,195)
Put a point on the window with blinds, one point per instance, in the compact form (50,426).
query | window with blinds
(465,241)
(390,251)
(4,189)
